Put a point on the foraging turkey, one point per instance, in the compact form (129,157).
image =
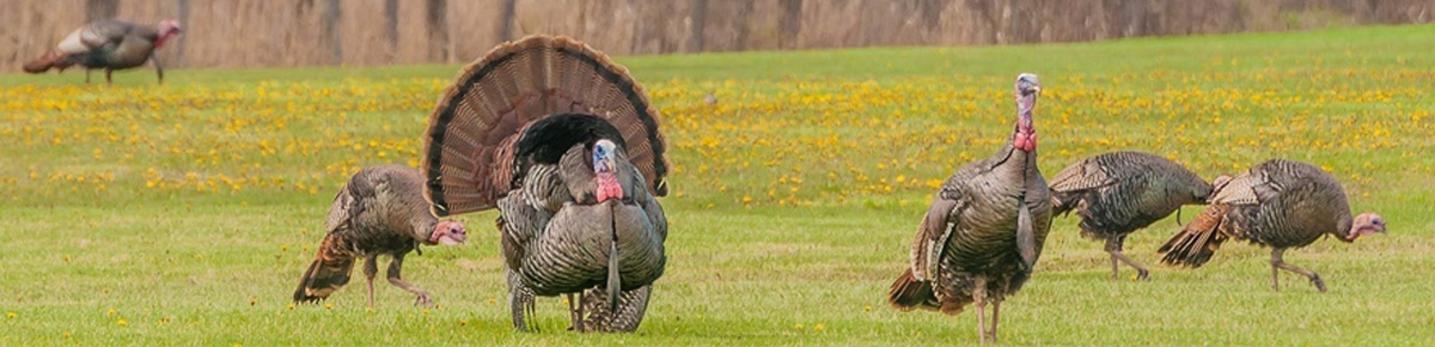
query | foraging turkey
(1279,204)
(984,230)
(564,144)
(109,45)
(1118,193)
(381,211)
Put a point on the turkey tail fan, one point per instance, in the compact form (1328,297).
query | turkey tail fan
(632,305)
(1195,244)
(326,274)
(908,293)
(43,63)
(1063,202)
(469,147)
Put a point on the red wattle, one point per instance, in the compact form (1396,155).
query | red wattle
(1025,141)
(608,188)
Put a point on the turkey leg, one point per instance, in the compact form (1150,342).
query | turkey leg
(395,278)
(371,269)
(996,318)
(579,323)
(109,81)
(979,293)
(87,76)
(158,70)
(1278,263)
(1114,247)
(572,312)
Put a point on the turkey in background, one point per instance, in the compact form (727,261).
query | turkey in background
(109,45)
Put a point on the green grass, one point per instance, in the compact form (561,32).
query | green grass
(184,213)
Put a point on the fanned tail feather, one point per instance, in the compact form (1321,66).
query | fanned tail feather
(908,293)
(43,63)
(329,272)
(1062,203)
(1195,244)
(632,305)
(469,152)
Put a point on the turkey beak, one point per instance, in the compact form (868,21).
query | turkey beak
(459,236)
(449,233)
(1027,85)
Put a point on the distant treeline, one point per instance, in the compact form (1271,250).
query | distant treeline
(252,33)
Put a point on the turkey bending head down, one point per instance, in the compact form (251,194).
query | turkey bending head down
(109,45)
(381,211)
(564,144)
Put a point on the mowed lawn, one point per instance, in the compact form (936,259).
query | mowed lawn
(185,213)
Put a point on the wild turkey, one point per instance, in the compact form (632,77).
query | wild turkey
(564,143)
(1118,193)
(984,230)
(109,45)
(380,211)
(1279,204)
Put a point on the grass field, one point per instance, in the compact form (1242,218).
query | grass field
(185,213)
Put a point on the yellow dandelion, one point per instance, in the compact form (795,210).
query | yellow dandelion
(11,315)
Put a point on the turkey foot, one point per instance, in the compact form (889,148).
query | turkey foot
(1319,284)
(423,300)
(1278,263)
(395,278)
(1114,248)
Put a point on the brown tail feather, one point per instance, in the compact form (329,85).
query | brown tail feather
(43,63)
(469,155)
(329,271)
(1195,244)
(908,293)
(1061,203)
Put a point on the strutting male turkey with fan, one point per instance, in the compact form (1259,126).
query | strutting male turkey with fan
(565,145)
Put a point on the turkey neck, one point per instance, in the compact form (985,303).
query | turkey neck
(1344,224)
(423,224)
(1024,137)
(162,38)
(1019,155)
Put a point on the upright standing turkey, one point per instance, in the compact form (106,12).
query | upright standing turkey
(1118,193)
(984,230)
(109,45)
(1278,204)
(564,143)
(381,211)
